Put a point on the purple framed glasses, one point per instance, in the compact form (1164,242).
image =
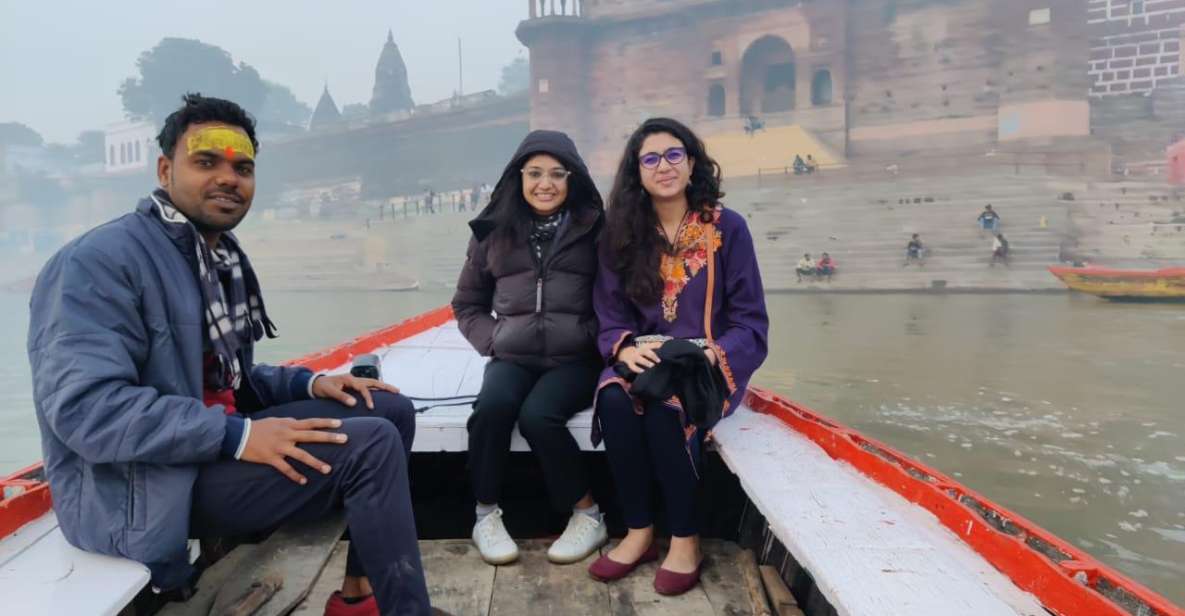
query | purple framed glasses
(651,160)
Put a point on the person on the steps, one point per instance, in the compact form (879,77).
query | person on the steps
(915,251)
(999,250)
(676,268)
(988,219)
(156,423)
(532,261)
(800,167)
(805,267)
(826,267)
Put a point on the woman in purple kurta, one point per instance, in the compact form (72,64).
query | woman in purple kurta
(667,239)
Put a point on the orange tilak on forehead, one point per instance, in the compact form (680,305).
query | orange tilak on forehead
(220,139)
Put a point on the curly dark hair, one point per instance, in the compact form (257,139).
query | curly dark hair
(198,109)
(633,243)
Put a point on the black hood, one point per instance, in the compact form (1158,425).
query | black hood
(584,202)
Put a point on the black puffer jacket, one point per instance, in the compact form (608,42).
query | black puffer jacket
(544,310)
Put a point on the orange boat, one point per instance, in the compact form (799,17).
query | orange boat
(1125,284)
(851,525)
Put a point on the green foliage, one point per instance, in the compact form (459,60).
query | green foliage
(281,106)
(15,133)
(176,66)
(516,77)
(89,148)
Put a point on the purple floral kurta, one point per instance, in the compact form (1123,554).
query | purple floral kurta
(740,325)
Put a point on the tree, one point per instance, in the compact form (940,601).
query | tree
(281,106)
(176,66)
(516,77)
(90,147)
(15,133)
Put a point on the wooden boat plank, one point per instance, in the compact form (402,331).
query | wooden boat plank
(209,583)
(869,550)
(783,603)
(25,537)
(295,553)
(535,587)
(635,596)
(329,581)
(48,577)
(723,580)
(459,581)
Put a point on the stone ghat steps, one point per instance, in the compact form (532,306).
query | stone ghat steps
(866,229)
(1132,220)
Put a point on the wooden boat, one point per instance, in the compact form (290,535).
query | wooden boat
(1124,284)
(848,524)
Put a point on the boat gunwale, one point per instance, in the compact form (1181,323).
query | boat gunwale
(1117,273)
(1065,586)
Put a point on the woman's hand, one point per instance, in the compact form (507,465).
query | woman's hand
(711,355)
(639,358)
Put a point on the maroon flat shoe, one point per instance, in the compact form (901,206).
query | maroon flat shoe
(669,583)
(605,569)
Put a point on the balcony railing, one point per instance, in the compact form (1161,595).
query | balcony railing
(555,8)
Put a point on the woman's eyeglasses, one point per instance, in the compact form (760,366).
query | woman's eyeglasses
(555,175)
(651,160)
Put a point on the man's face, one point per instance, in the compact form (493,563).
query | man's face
(211,176)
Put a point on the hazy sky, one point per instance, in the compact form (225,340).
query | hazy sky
(62,61)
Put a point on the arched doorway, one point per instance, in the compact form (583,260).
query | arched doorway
(768,76)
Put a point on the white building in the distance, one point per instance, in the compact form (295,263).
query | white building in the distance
(130,146)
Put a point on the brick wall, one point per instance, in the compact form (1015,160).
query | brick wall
(1135,44)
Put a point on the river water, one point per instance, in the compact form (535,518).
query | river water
(1066,409)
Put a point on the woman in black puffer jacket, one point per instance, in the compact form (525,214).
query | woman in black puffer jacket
(531,263)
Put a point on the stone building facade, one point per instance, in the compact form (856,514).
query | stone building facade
(840,78)
(1135,44)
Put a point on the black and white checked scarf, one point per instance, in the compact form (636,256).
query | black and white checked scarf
(234,315)
(543,231)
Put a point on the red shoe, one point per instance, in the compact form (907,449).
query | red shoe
(605,569)
(669,583)
(337,606)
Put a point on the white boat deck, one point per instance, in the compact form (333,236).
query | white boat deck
(440,363)
(42,575)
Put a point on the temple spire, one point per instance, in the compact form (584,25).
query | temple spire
(326,112)
(391,90)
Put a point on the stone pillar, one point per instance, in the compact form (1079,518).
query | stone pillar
(804,72)
(559,74)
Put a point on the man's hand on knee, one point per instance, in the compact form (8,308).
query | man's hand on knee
(273,440)
(338,386)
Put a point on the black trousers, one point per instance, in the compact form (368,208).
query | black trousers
(646,448)
(369,478)
(541,402)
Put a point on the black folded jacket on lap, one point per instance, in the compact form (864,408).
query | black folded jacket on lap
(686,374)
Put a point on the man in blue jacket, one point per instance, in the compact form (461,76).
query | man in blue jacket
(157,426)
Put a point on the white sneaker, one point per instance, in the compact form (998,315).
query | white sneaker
(583,536)
(492,540)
